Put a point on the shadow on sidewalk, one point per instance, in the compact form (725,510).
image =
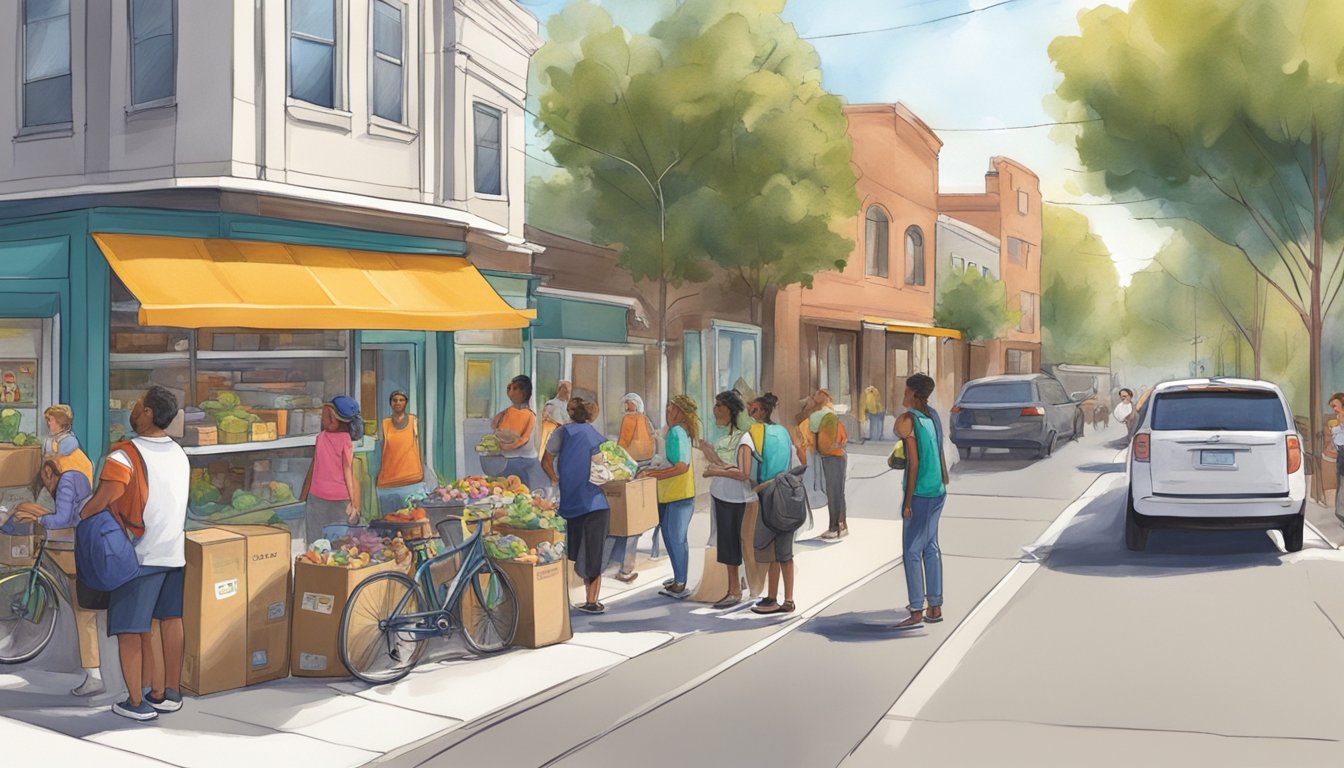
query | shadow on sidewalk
(862,626)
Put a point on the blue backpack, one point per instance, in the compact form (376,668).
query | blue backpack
(104,551)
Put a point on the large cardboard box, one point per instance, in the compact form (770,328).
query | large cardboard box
(268,557)
(542,592)
(320,595)
(634,506)
(214,612)
(19,464)
(18,549)
(532,536)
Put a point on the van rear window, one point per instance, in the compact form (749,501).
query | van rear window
(1224,411)
(1005,392)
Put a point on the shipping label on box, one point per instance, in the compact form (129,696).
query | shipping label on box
(17,549)
(226,589)
(312,662)
(318,603)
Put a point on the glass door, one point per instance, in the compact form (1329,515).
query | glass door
(483,380)
(736,364)
(384,369)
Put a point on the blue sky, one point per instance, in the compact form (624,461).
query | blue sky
(985,70)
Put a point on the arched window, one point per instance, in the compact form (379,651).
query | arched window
(914,256)
(875,235)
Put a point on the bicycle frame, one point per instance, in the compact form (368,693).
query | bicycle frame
(45,565)
(426,588)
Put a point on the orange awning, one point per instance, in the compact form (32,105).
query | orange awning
(189,282)
(895,326)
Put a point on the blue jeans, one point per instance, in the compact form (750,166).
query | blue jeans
(674,517)
(922,558)
(620,550)
(875,425)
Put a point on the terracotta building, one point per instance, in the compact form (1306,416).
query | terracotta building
(872,323)
(1009,209)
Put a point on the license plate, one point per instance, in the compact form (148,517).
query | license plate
(1217,458)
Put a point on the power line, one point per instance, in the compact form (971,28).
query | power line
(1109,202)
(1021,127)
(910,25)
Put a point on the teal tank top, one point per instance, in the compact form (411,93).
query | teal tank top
(929,481)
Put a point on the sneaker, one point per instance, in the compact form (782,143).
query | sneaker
(627,578)
(171,701)
(141,712)
(591,608)
(92,686)
(831,535)
(675,591)
(844,529)
(668,582)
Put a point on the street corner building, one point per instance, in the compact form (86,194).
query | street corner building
(340,214)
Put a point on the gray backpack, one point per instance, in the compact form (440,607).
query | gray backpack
(784,502)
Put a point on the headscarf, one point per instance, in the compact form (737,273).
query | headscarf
(690,410)
(631,397)
(347,412)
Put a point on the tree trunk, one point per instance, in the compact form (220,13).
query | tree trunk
(662,344)
(763,317)
(1314,320)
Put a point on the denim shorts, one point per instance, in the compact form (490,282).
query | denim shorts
(155,593)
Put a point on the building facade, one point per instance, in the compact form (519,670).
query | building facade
(282,200)
(1009,210)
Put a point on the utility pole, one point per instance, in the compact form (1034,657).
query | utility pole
(1194,366)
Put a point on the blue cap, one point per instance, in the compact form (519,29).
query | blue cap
(345,406)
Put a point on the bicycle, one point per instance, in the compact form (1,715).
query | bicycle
(384,626)
(29,606)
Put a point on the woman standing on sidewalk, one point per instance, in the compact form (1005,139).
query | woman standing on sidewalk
(676,491)
(636,439)
(568,462)
(1336,426)
(923,493)
(729,488)
(771,451)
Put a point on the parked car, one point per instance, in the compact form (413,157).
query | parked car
(1024,411)
(1219,454)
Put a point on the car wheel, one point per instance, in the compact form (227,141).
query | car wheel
(1292,532)
(1136,536)
(1047,448)
(965,453)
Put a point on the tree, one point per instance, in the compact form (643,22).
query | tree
(1081,310)
(560,203)
(1231,114)
(976,305)
(710,137)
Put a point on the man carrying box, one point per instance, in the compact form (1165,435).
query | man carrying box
(144,482)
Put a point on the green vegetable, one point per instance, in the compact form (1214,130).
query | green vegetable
(9,425)
(212,406)
(232,424)
(245,500)
(21,439)
(228,400)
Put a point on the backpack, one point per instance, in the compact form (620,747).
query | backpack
(784,506)
(836,446)
(105,555)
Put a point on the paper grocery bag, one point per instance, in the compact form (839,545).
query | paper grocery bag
(713,579)
(755,572)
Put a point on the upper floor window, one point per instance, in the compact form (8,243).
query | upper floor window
(46,63)
(1026,303)
(153,51)
(489,154)
(312,51)
(875,235)
(388,88)
(1018,251)
(914,256)
(959,263)
(1023,202)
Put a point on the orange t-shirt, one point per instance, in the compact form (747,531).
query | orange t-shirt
(636,436)
(401,455)
(520,420)
(130,507)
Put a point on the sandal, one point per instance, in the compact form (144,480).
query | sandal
(728,601)
(592,608)
(627,578)
(765,606)
(786,607)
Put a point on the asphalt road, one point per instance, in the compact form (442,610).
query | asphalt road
(803,691)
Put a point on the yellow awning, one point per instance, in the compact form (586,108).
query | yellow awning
(190,282)
(919,330)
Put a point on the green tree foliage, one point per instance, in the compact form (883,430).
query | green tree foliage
(976,305)
(560,203)
(1230,112)
(1081,301)
(707,140)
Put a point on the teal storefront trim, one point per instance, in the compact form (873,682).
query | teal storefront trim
(577,320)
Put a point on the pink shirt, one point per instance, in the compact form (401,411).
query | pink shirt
(330,457)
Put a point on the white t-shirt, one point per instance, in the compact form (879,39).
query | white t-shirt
(165,540)
(728,489)
(1122,411)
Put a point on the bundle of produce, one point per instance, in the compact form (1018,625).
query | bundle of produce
(504,547)
(406,515)
(528,512)
(550,553)
(488,446)
(622,466)
(202,490)
(9,425)
(228,413)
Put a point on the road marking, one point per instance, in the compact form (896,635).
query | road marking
(699,680)
(936,671)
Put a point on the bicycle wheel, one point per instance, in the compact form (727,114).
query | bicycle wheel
(488,611)
(27,616)
(372,650)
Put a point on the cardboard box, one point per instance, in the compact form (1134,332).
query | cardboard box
(19,464)
(320,595)
(263,431)
(280,418)
(18,549)
(214,612)
(533,537)
(542,592)
(634,506)
(268,600)
(200,435)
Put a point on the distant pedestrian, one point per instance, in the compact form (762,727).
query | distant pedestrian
(771,451)
(831,439)
(515,428)
(555,412)
(729,489)
(637,439)
(1124,412)
(331,490)
(568,462)
(1337,438)
(144,482)
(870,408)
(676,490)
(923,492)
(401,472)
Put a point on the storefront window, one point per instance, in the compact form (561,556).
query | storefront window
(837,361)
(547,375)
(25,381)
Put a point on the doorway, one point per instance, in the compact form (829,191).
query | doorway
(385,368)
(482,380)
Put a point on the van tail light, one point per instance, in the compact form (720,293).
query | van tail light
(1294,454)
(956,409)
(1141,447)
(1035,410)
